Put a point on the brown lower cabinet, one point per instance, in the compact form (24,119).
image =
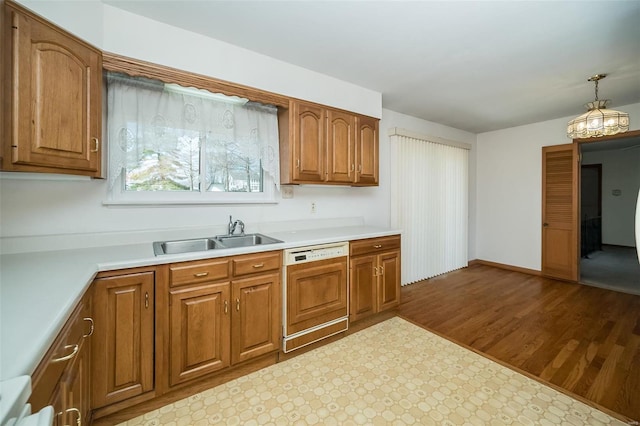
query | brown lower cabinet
(222,312)
(199,331)
(63,379)
(374,276)
(140,333)
(123,343)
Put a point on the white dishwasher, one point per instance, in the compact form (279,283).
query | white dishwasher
(315,293)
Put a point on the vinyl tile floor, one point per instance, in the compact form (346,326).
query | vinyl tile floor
(393,373)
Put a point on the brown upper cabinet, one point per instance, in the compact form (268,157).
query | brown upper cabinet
(52,108)
(321,145)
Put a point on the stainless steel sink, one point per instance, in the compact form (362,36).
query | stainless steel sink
(216,243)
(248,240)
(185,246)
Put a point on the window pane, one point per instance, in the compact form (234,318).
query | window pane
(170,163)
(232,166)
(171,139)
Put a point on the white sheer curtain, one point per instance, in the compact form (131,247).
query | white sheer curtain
(429,203)
(144,114)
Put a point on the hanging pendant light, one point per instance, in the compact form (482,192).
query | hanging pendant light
(598,120)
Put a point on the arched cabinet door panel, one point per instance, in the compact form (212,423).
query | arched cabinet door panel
(55,81)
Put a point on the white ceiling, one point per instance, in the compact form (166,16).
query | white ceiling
(477,66)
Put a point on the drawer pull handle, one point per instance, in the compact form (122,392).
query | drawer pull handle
(382,270)
(201,274)
(353,167)
(226,306)
(67,357)
(96,144)
(237,304)
(146,300)
(258,265)
(378,246)
(74,411)
(297,163)
(91,329)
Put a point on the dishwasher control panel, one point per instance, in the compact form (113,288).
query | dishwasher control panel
(314,253)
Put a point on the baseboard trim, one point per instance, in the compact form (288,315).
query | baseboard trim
(505,266)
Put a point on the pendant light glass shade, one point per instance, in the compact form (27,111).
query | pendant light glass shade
(598,120)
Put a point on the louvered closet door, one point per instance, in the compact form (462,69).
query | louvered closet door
(560,211)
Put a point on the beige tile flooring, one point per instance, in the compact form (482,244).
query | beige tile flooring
(393,373)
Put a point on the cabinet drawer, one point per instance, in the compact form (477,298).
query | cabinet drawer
(259,262)
(61,354)
(374,245)
(199,271)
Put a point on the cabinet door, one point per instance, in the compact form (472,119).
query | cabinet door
(256,316)
(199,334)
(341,147)
(367,151)
(57,83)
(78,388)
(122,363)
(388,280)
(363,286)
(308,142)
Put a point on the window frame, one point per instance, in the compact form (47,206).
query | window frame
(117,195)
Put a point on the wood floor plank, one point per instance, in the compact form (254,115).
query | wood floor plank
(584,339)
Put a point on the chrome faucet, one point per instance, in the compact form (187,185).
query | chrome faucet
(231,228)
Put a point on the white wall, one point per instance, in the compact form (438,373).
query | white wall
(509,189)
(620,170)
(48,205)
(153,41)
(81,18)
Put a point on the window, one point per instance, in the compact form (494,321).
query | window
(171,144)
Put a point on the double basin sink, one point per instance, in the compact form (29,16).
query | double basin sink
(218,242)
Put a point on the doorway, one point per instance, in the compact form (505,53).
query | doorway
(609,184)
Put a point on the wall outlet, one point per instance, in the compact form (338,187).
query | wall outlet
(313,207)
(287,191)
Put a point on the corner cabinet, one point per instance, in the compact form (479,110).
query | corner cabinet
(322,145)
(374,276)
(52,83)
(63,377)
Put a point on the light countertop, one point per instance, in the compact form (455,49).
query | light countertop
(38,290)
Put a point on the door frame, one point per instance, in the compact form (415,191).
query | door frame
(576,183)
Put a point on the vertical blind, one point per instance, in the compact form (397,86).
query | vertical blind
(429,203)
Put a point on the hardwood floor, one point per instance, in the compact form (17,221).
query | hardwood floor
(582,339)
